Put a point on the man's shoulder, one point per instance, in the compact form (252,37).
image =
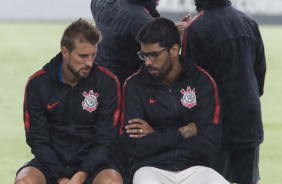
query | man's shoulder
(40,80)
(39,77)
(102,73)
(37,74)
(136,78)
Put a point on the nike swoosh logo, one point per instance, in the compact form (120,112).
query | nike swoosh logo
(50,106)
(152,101)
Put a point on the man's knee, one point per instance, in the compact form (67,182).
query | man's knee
(23,181)
(108,176)
(30,175)
(112,180)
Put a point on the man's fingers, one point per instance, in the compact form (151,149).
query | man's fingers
(137,128)
(134,131)
(136,135)
(194,128)
(133,126)
(186,18)
(136,120)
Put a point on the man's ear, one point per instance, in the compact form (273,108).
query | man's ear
(174,50)
(64,51)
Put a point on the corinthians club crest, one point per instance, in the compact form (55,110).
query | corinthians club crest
(90,102)
(189,97)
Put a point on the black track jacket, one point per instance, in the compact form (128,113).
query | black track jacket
(227,44)
(192,98)
(119,21)
(68,126)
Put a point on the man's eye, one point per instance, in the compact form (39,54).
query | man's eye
(153,54)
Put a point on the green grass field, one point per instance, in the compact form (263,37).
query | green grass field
(26,47)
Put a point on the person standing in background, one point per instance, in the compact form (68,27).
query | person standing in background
(119,21)
(227,43)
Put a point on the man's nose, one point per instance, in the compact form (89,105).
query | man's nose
(89,61)
(148,61)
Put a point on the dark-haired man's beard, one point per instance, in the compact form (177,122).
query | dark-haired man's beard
(163,71)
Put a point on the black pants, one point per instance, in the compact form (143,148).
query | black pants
(238,166)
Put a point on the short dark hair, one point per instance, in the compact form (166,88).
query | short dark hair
(83,31)
(160,30)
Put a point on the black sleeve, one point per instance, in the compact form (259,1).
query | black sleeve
(260,63)
(37,132)
(164,139)
(191,46)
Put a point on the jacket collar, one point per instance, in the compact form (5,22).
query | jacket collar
(53,66)
(150,5)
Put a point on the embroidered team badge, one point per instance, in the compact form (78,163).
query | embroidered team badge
(90,102)
(189,97)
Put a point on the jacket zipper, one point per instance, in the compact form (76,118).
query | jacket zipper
(70,127)
(174,104)
(177,111)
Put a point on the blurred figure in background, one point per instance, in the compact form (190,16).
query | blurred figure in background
(227,43)
(119,21)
